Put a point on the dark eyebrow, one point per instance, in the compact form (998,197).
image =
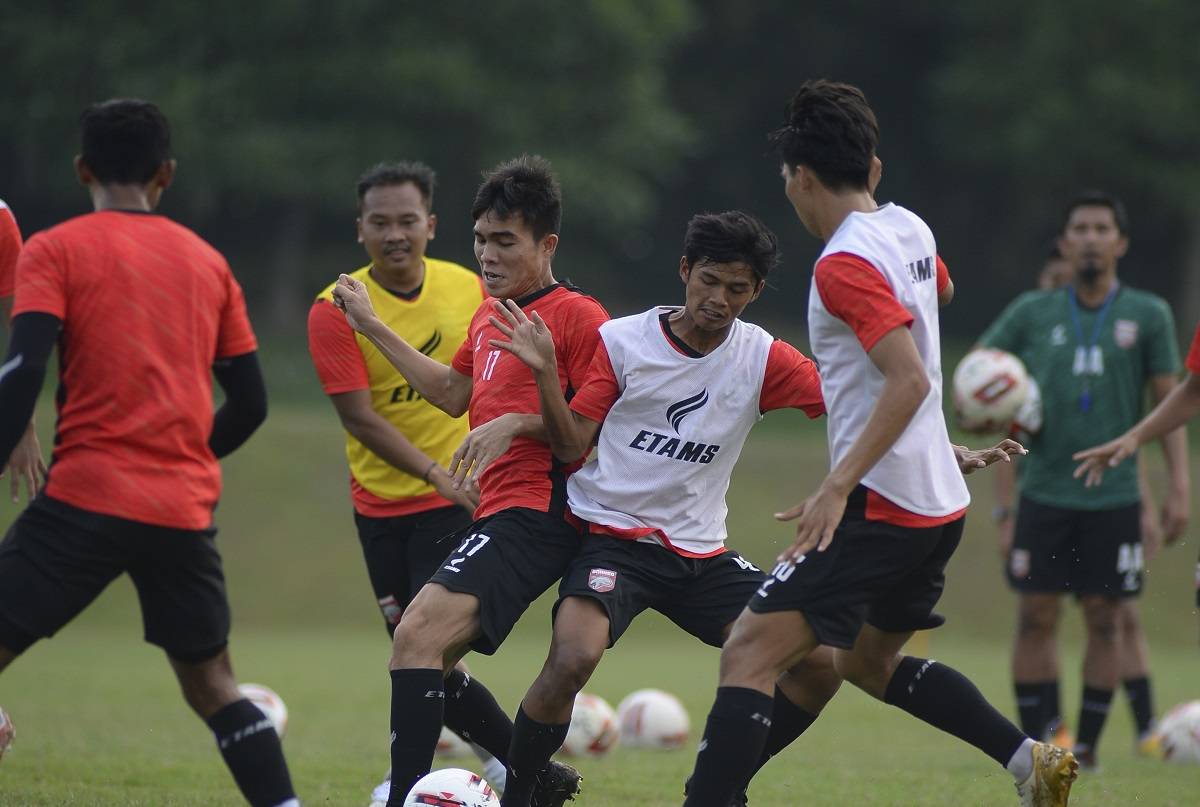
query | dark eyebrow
(498,234)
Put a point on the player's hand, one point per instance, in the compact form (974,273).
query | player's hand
(817,518)
(1176,512)
(1095,461)
(480,449)
(971,460)
(465,497)
(350,295)
(529,340)
(26,463)
(1151,531)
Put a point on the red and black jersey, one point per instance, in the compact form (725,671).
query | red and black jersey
(527,475)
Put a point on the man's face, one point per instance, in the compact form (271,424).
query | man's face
(394,226)
(511,261)
(716,293)
(1091,241)
(798,192)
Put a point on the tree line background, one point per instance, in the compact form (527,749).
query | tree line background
(992,116)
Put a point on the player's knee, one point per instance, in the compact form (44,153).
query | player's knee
(1036,622)
(570,666)
(865,671)
(1103,620)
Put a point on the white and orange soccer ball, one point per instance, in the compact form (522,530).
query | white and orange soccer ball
(452,787)
(1179,733)
(651,718)
(990,386)
(451,745)
(593,729)
(267,700)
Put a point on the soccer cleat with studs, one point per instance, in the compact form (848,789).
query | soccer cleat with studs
(1049,783)
(556,785)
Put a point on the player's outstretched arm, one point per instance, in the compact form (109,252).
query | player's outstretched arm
(33,337)
(905,387)
(245,406)
(570,436)
(438,384)
(1176,409)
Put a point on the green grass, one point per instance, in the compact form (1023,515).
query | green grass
(100,720)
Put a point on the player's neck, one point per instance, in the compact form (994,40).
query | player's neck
(1092,293)
(837,206)
(537,283)
(695,337)
(120,197)
(400,282)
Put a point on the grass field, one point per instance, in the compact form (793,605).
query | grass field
(100,721)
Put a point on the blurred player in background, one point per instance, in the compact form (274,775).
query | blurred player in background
(26,461)
(145,313)
(1039,703)
(398,445)
(1093,347)
(521,541)
(868,563)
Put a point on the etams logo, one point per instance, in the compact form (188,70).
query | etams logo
(677,411)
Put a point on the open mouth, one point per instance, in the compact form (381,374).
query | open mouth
(492,277)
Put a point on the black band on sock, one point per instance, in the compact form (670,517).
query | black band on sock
(417,709)
(533,744)
(945,699)
(734,737)
(473,714)
(1141,702)
(1092,714)
(248,743)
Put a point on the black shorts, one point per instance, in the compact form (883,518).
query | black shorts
(700,595)
(507,561)
(1083,552)
(873,572)
(403,552)
(57,558)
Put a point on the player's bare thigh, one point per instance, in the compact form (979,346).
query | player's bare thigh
(872,661)
(436,628)
(762,646)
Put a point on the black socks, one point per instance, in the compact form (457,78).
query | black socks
(1141,702)
(251,749)
(734,738)
(1092,714)
(472,713)
(533,744)
(417,709)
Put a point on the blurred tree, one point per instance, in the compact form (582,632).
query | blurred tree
(1040,100)
(277,107)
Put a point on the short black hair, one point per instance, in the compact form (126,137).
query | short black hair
(1095,198)
(382,175)
(731,237)
(525,186)
(125,140)
(830,129)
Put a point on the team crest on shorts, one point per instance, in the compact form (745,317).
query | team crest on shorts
(602,580)
(1018,563)
(1125,333)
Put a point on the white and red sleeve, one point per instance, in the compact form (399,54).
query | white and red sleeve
(600,388)
(791,381)
(1193,356)
(856,292)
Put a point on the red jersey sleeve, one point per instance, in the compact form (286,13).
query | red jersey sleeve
(1193,356)
(791,381)
(10,248)
(43,272)
(855,292)
(334,350)
(582,340)
(600,388)
(236,336)
(943,274)
(464,358)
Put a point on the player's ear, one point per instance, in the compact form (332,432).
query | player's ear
(1122,246)
(82,172)
(165,175)
(550,244)
(432,226)
(685,271)
(358,228)
(875,174)
(762,284)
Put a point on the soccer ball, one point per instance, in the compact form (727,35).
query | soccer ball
(269,702)
(593,729)
(452,787)
(989,387)
(1179,731)
(450,744)
(651,718)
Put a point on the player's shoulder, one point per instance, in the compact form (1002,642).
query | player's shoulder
(635,323)
(570,300)
(362,274)
(1143,299)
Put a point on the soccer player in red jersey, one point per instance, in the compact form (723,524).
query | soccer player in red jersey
(868,563)
(521,541)
(145,313)
(26,460)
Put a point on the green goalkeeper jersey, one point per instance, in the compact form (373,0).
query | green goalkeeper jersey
(1092,366)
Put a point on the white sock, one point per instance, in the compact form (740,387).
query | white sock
(1021,764)
(495,774)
